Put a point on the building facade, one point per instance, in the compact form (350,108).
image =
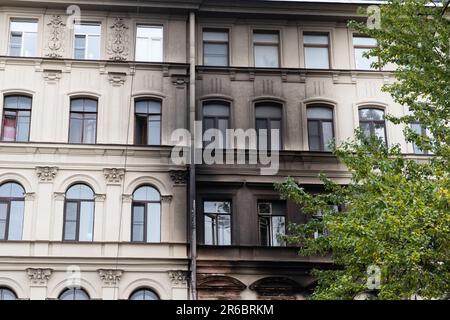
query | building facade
(92,204)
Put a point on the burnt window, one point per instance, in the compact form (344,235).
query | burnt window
(272,222)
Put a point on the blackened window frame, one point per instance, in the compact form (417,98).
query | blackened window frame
(205,42)
(83,113)
(78,216)
(204,214)
(16,110)
(270,216)
(7,201)
(147,115)
(372,123)
(320,122)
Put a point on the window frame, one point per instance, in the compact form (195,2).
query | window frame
(24,19)
(144,289)
(268,122)
(150,25)
(17,110)
(74,290)
(266,44)
(309,45)
(423,133)
(83,119)
(216,231)
(147,115)
(373,122)
(320,121)
(144,203)
(369,47)
(222,30)
(86,36)
(78,220)
(216,119)
(8,201)
(270,226)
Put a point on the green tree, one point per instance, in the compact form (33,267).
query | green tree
(396,209)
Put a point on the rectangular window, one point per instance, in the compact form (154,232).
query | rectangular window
(362,45)
(16,118)
(216,115)
(268,124)
(421,131)
(320,128)
(23,38)
(316,51)
(87,41)
(217,222)
(83,121)
(148,122)
(266,49)
(149,43)
(272,223)
(215,48)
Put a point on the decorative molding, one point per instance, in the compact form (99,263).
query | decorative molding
(100,197)
(52,76)
(117,79)
(113,175)
(127,198)
(2,65)
(110,277)
(46,174)
(30,196)
(55,45)
(118,47)
(39,277)
(59,195)
(179,176)
(179,277)
(166,199)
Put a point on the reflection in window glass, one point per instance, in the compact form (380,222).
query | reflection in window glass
(7,294)
(215,48)
(372,123)
(87,41)
(266,47)
(217,222)
(316,51)
(362,45)
(23,38)
(272,222)
(149,43)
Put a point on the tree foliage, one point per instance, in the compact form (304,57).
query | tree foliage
(396,209)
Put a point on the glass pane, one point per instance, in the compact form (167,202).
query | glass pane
(319,113)
(89,134)
(260,37)
(16,220)
(209,230)
(11,102)
(9,126)
(75,132)
(6,294)
(71,211)
(90,105)
(154,106)
(74,294)
(315,39)
(156,50)
(268,111)
(215,36)
(266,56)
(380,132)
(364,41)
(70,231)
(80,192)
(141,130)
(361,62)
(264,231)
(77,105)
(142,49)
(153,222)
(3,216)
(278,228)
(327,130)
(279,208)
(223,126)
(154,130)
(141,106)
(224,230)
(263,134)
(144,295)
(86,221)
(11,190)
(316,58)
(15,45)
(275,134)
(138,223)
(23,126)
(93,46)
(24,103)
(216,110)
(80,47)
(313,136)
(86,28)
(215,54)
(24,26)
(146,193)
(371,114)
(417,128)
(365,127)
(217,207)
(30,44)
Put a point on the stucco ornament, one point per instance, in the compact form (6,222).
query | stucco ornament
(118,41)
(39,276)
(56,37)
(110,277)
(46,174)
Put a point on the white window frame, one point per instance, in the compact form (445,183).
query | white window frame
(87,35)
(149,41)
(26,20)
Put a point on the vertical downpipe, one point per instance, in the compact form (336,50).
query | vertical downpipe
(192,189)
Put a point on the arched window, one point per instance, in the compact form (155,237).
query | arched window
(372,123)
(16,118)
(146,215)
(7,294)
(12,205)
(268,123)
(216,115)
(144,294)
(320,127)
(83,121)
(79,213)
(148,122)
(74,294)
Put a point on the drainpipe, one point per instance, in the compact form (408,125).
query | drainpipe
(192,186)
